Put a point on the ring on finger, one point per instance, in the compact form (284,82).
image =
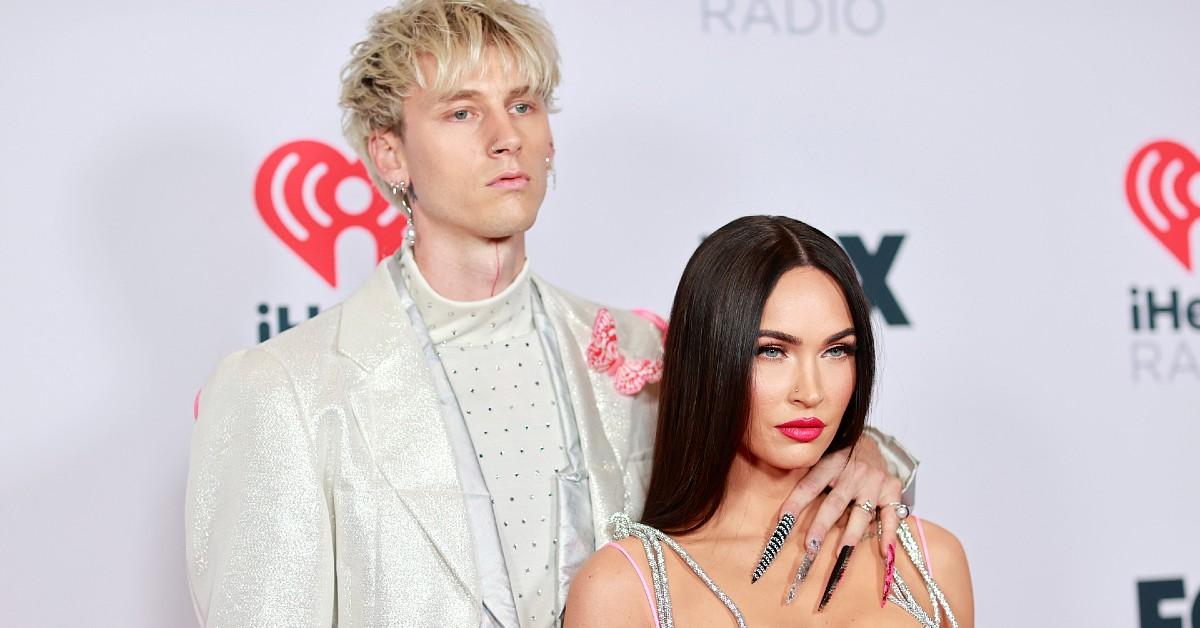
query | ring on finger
(867,506)
(902,510)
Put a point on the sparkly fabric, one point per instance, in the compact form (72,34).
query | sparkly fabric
(902,596)
(653,540)
(323,487)
(616,431)
(900,463)
(499,608)
(470,323)
(494,359)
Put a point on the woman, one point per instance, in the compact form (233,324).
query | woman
(769,363)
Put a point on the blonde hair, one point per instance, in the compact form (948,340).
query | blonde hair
(384,67)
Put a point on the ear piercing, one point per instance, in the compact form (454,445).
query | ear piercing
(400,193)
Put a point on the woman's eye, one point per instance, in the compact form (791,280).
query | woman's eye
(771,352)
(839,351)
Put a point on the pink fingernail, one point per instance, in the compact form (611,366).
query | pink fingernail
(889,574)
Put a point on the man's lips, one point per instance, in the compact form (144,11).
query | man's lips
(510,180)
(804,430)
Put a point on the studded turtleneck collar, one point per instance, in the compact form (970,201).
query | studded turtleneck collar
(506,315)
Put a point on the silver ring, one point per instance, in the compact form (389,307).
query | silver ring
(901,509)
(867,506)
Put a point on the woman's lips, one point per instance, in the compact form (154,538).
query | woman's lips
(804,430)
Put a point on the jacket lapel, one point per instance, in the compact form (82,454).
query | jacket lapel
(398,411)
(595,411)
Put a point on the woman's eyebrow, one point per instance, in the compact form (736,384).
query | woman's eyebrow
(778,335)
(790,339)
(849,331)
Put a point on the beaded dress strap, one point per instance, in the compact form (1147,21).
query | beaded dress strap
(902,596)
(645,585)
(652,542)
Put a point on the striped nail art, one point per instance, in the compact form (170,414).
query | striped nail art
(782,530)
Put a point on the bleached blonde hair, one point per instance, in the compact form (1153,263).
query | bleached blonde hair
(384,67)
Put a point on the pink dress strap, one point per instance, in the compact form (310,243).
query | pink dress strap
(924,545)
(642,577)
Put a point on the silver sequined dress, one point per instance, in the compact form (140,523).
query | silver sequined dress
(653,541)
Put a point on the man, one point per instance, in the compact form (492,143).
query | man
(445,446)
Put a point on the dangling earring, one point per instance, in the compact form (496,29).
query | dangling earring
(400,192)
(551,174)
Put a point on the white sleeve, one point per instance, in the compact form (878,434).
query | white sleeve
(900,463)
(259,541)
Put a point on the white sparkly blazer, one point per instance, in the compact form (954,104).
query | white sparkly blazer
(330,480)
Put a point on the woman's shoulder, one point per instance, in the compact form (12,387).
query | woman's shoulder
(936,540)
(609,589)
(947,563)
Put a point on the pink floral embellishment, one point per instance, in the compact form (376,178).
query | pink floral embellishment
(196,406)
(629,376)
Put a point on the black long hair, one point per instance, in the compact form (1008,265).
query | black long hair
(704,399)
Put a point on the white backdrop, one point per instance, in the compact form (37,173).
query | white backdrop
(994,137)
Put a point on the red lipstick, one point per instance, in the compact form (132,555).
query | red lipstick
(804,430)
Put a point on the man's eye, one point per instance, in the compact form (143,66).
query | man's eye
(521,108)
(461,114)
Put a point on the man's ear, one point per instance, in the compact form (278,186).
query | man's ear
(387,153)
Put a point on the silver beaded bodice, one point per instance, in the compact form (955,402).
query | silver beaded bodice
(653,540)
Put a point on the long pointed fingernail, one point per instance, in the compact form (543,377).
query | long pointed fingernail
(774,544)
(835,578)
(810,554)
(889,574)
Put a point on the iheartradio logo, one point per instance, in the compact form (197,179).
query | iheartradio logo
(308,194)
(1163,187)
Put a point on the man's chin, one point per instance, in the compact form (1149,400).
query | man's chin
(506,226)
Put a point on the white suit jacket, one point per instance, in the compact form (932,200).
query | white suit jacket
(323,488)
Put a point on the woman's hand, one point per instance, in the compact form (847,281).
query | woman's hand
(854,479)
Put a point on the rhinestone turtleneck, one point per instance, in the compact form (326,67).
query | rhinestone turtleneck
(495,361)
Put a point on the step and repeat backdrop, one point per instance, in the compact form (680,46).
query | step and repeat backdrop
(1017,181)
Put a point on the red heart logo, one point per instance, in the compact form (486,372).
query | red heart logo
(1163,186)
(297,190)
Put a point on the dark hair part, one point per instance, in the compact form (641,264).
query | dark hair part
(704,399)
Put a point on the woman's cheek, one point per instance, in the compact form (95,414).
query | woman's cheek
(845,384)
